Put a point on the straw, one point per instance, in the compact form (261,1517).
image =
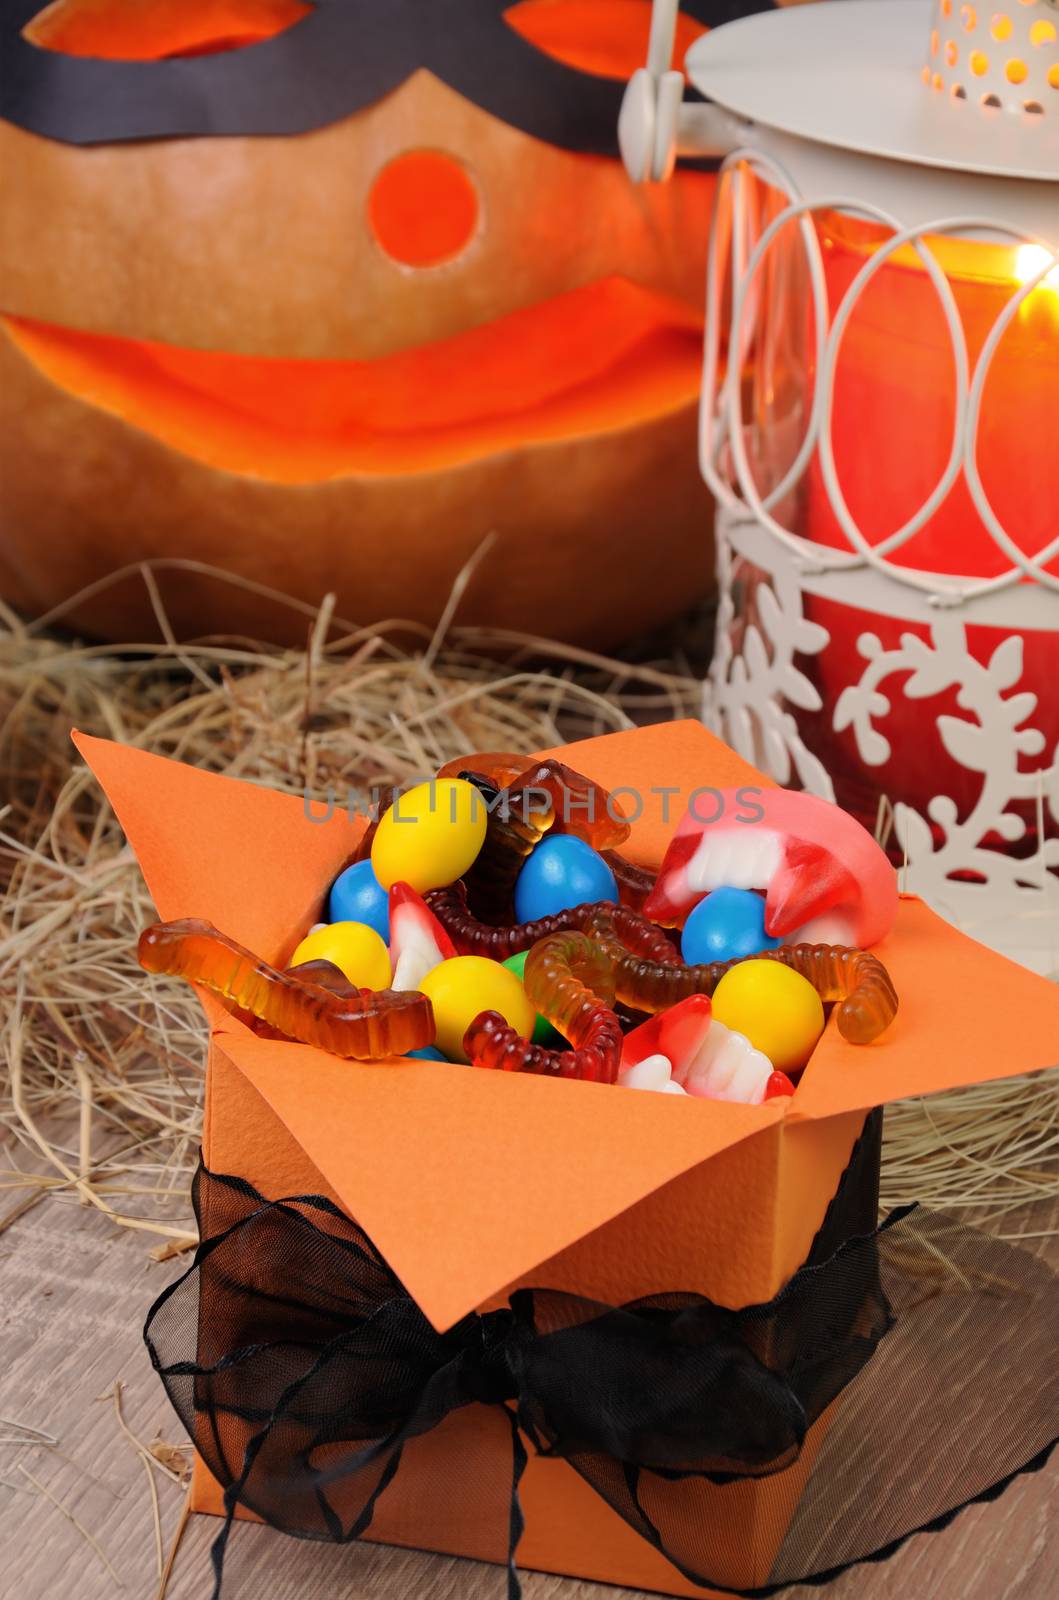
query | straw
(101,1073)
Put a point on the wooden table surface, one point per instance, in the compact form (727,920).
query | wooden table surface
(73,1293)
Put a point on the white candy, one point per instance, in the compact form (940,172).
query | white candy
(727,1067)
(419,956)
(743,856)
(653,1072)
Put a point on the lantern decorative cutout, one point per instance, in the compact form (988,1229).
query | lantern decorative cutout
(325,294)
(881,383)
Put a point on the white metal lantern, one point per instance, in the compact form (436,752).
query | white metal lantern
(879,422)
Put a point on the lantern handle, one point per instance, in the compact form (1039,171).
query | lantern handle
(654,125)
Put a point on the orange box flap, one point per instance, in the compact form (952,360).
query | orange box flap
(467,1180)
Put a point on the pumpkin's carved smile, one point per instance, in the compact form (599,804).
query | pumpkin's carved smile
(597,359)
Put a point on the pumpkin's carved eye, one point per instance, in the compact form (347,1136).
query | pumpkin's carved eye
(155,30)
(605,37)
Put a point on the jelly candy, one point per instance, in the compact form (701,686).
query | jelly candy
(358,896)
(678,1034)
(824,875)
(634,883)
(570,981)
(561,873)
(706,1058)
(429,1052)
(557,794)
(549,796)
(353,947)
(358,1023)
(855,978)
(417,939)
(430,836)
(729,1067)
(473,937)
(466,986)
(543,1032)
(728,923)
(775,1007)
(500,767)
(509,838)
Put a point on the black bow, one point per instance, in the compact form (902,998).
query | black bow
(311,1367)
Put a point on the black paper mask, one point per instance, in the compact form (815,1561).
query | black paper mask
(343,56)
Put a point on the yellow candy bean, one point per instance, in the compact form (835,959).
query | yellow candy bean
(430,836)
(354,948)
(778,1010)
(462,987)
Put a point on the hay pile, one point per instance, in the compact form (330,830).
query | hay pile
(100,1097)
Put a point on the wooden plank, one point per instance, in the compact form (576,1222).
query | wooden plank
(73,1293)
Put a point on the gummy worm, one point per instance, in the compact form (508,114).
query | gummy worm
(855,978)
(472,936)
(570,980)
(511,832)
(501,767)
(634,883)
(362,1024)
(574,803)
(476,938)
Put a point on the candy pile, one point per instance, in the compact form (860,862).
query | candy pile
(488,917)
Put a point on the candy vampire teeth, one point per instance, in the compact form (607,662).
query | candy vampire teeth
(727,1067)
(687,1048)
(809,856)
(653,1072)
(678,1034)
(418,942)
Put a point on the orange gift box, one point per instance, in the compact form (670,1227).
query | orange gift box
(471,1184)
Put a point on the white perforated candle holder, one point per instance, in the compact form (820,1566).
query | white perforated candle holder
(1004,55)
(881,384)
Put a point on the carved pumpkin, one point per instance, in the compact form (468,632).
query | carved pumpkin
(325,293)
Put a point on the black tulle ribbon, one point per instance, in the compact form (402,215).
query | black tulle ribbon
(302,1368)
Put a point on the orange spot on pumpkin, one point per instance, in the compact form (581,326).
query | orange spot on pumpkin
(154,30)
(605,37)
(423,208)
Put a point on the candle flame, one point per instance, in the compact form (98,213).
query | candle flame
(1031,259)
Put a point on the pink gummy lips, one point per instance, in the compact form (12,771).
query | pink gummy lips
(825,878)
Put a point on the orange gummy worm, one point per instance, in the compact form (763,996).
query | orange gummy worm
(570,980)
(362,1024)
(855,978)
(501,767)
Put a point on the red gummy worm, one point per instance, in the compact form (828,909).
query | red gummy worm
(510,835)
(362,1024)
(473,937)
(628,930)
(634,883)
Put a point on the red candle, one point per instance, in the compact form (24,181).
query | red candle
(892,430)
